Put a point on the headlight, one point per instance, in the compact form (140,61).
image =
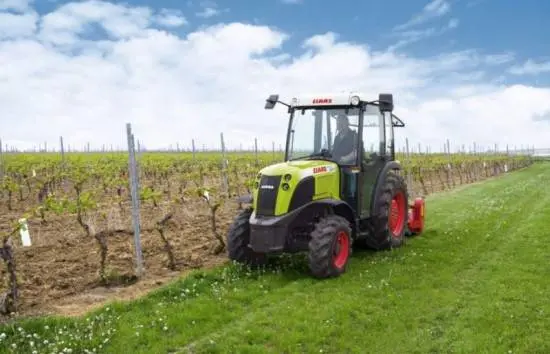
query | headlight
(287,177)
(285,186)
(355,100)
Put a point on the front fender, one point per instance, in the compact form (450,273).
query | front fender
(269,234)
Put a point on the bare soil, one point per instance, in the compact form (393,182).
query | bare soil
(59,273)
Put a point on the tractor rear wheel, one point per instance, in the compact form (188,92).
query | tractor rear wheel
(238,238)
(330,247)
(390,223)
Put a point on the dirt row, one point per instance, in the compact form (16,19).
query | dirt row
(60,272)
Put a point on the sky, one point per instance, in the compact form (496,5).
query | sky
(464,70)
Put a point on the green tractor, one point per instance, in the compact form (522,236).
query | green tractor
(339,186)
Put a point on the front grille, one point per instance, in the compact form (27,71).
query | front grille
(267,196)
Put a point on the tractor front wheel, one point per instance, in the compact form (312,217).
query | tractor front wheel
(330,247)
(238,238)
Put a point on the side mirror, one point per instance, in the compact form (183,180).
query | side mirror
(271,101)
(385,102)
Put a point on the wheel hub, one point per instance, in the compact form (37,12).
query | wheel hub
(341,249)
(397,215)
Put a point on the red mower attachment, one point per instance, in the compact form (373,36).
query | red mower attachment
(416,217)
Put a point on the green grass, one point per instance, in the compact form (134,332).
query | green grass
(477,281)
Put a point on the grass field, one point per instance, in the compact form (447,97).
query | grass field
(476,281)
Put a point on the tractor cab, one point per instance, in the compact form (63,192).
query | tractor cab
(356,135)
(339,185)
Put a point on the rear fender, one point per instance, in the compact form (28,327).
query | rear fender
(380,180)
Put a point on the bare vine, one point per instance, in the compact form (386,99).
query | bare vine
(160,227)
(8,301)
(213,206)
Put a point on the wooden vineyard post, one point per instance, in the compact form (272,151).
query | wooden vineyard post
(1,161)
(409,169)
(225,182)
(62,150)
(256,151)
(450,179)
(134,189)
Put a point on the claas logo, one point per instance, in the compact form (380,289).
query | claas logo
(322,100)
(320,169)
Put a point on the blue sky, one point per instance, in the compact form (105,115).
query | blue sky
(468,70)
(490,26)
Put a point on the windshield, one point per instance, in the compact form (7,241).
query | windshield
(332,134)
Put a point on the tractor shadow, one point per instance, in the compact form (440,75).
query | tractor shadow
(290,267)
(412,244)
(294,267)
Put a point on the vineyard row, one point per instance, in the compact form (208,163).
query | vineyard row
(88,195)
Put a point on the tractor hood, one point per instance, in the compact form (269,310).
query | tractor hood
(300,168)
(283,187)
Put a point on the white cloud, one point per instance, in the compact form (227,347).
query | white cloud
(61,80)
(208,12)
(497,59)
(407,36)
(434,9)
(209,9)
(530,67)
(453,23)
(170,18)
(17,25)
(412,36)
(541,117)
(72,20)
(15,5)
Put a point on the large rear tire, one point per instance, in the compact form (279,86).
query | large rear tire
(391,214)
(330,247)
(238,239)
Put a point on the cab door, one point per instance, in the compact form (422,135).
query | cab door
(373,160)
